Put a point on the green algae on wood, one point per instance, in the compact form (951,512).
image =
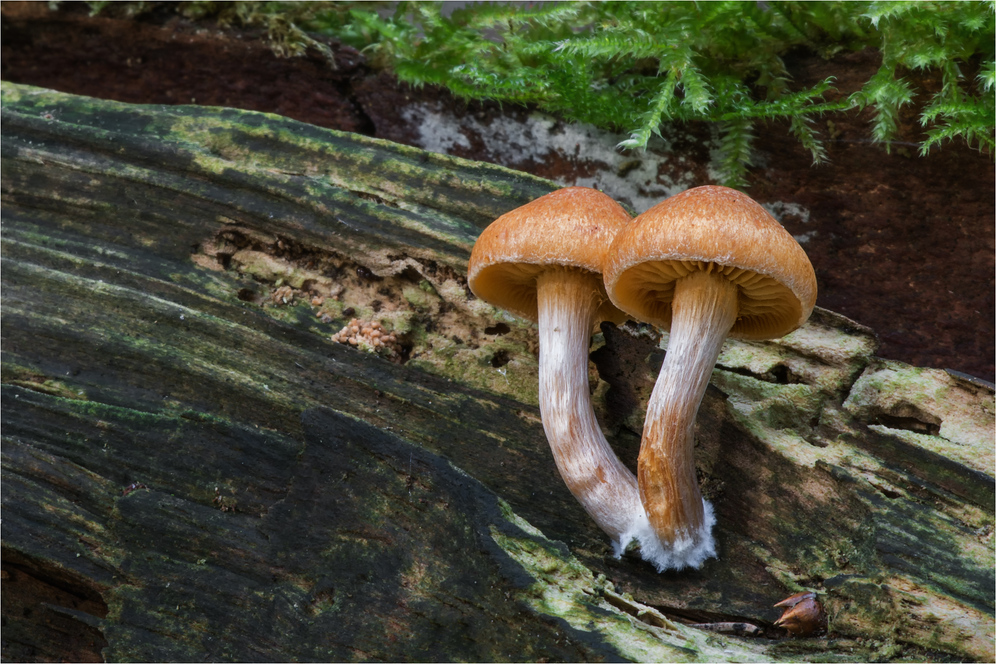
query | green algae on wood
(346,542)
(942,411)
(375,197)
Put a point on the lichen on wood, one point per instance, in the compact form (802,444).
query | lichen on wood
(188,451)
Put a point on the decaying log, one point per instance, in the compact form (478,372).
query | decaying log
(194,470)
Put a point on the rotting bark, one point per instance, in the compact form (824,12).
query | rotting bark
(193,470)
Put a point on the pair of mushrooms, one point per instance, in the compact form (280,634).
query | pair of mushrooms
(705,264)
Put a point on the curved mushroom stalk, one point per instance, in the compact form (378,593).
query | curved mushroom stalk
(543,262)
(568,299)
(706,263)
(704,309)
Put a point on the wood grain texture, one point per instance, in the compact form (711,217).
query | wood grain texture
(194,470)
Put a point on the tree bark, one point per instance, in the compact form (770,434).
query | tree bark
(194,470)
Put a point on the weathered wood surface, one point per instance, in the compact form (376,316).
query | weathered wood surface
(193,470)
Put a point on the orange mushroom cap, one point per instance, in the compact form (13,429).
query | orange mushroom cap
(571,227)
(715,229)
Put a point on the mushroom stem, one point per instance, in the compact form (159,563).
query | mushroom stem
(704,309)
(568,299)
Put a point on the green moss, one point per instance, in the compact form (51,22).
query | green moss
(632,66)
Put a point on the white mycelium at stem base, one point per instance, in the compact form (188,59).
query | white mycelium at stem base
(704,309)
(568,299)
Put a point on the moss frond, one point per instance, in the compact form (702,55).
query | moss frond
(734,155)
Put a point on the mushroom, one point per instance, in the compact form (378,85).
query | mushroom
(705,264)
(542,262)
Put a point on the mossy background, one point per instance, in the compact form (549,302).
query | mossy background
(631,66)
